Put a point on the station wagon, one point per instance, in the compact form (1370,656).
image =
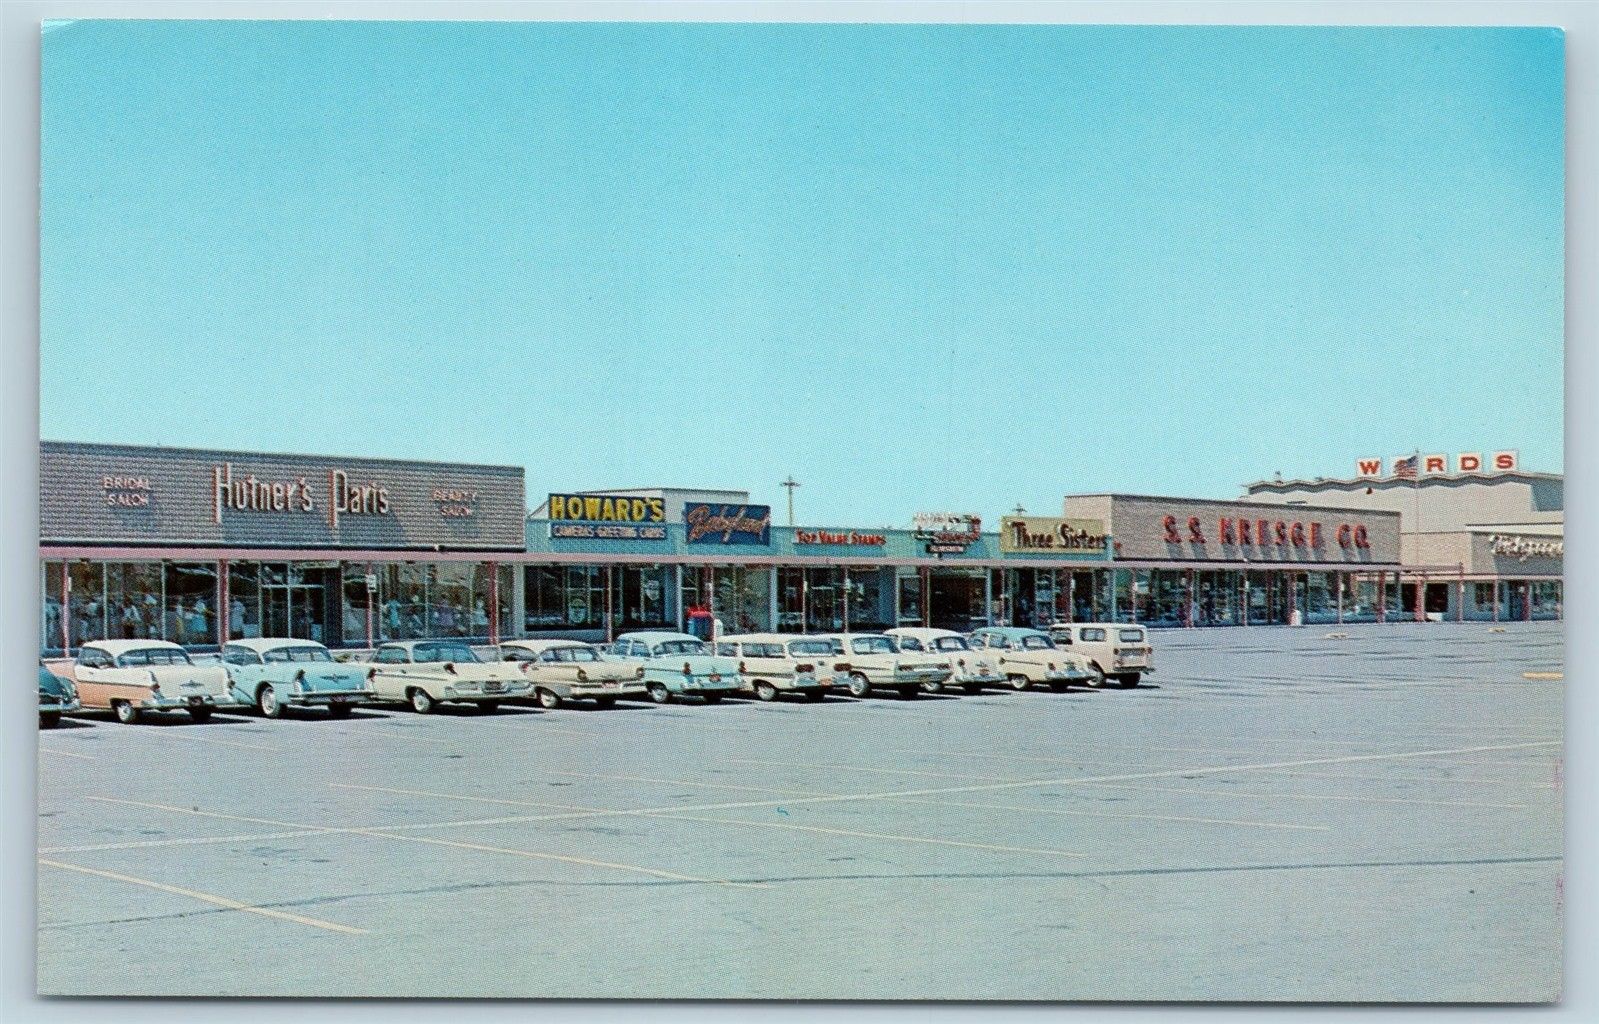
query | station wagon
(132,677)
(426,673)
(870,661)
(678,664)
(969,669)
(774,663)
(1028,656)
(277,673)
(563,670)
(1113,651)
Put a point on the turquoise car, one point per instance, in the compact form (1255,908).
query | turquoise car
(277,673)
(56,697)
(677,664)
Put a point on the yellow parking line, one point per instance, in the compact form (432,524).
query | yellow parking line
(64,753)
(206,897)
(1307,796)
(378,832)
(1543,675)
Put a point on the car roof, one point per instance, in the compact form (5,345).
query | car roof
(921,632)
(117,648)
(272,643)
(1012,631)
(656,636)
(408,644)
(762,638)
(846,636)
(543,645)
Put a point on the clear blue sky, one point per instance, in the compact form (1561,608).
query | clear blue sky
(943,268)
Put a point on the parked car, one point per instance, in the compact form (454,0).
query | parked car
(1113,651)
(277,673)
(1028,656)
(132,677)
(426,673)
(677,664)
(56,698)
(774,663)
(969,669)
(563,670)
(870,661)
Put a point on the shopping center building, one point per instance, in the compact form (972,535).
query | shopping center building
(199,546)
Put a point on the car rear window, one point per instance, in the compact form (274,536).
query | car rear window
(1132,636)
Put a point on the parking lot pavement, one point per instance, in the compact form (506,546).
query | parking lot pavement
(1275,814)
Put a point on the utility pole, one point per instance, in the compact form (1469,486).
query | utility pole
(791,483)
(1019,510)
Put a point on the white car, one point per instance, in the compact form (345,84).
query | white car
(1028,656)
(131,677)
(1113,650)
(677,664)
(969,669)
(563,670)
(426,673)
(867,661)
(773,663)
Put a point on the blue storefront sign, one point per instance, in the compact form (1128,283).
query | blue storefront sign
(727,524)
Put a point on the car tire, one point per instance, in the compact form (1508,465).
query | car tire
(659,693)
(421,701)
(49,719)
(340,710)
(932,686)
(127,714)
(605,702)
(859,686)
(488,707)
(266,702)
(1018,682)
(547,698)
(765,690)
(712,698)
(1130,680)
(1098,680)
(200,714)
(909,692)
(815,696)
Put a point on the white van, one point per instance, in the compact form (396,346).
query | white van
(1114,650)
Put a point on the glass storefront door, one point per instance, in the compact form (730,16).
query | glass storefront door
(958,598)
(295,603)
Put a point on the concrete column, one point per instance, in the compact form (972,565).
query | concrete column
(1382,597)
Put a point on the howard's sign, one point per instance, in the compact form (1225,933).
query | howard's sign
(601,508)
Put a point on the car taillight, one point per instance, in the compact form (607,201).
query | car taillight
(1052,666)
(449,666)
(371,674)
(582,676)
(841,666)
(523,665)
(688,669)
(805,668)
(640,673)
(960,663)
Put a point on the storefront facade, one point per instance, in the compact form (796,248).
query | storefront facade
(198,547)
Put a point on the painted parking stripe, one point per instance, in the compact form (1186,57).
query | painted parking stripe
(170,732)
(863,768)
(453,796)
(378,832)
(146,844)
(64,753)
(990,807)
(1304,796)
(206,897)
(885,836)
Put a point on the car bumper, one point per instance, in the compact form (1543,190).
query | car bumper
(322,698)
(705,684)
(1142,670)
(580,691)
(802,684)
(198,700)
(976,679)
(919,676)
(508,691)
(1070,675)
(59,707)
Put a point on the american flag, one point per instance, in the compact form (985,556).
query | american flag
(1406,468)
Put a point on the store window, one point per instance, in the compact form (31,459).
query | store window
(451,608)
(563,597)
(133,600)
(824,599)
(644,591)
(189,592)
(870,592)
(910,599)
(741,598)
